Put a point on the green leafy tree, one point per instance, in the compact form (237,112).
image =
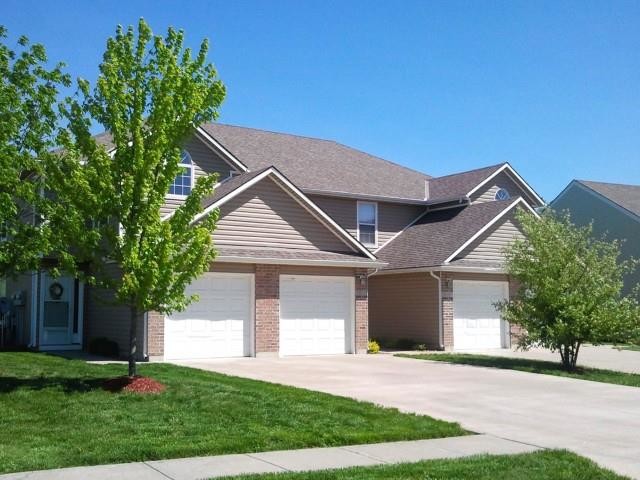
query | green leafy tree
(570,287)
(29,128)
(150,95)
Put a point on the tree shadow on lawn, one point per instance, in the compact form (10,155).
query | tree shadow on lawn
(67,385)
(506,363)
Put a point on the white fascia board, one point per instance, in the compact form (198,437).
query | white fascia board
(292,261)
(442,268)
(515,175)
(230,195)
(229,157)
(321,215)
(301,198)
(518,201)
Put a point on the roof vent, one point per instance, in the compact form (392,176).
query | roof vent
(426,189)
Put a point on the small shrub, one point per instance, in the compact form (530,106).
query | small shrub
(104,347)
(420,347)
(373,347)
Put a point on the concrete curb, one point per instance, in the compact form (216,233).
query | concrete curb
(307,459)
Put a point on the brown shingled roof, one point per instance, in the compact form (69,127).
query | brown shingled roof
(626,196)
(436,235)
(459,184)
(320,165)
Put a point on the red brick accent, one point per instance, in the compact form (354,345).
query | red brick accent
(514,330)
(267,290)
(447,310)
(362,311)
(155,334)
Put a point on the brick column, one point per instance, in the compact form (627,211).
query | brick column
(267,309)
(447,310)
(514,330)
(362,311)
(155,335)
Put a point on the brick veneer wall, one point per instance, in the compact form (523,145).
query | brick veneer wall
(514,330)
(362,311)
(155,334)
(447,308)
(267,314)
(267,291)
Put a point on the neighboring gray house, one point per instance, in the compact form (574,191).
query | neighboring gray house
(614,210)
(320,247)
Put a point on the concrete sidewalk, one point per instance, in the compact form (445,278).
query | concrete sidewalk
(286,461)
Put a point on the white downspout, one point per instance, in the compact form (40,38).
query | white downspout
(440,326)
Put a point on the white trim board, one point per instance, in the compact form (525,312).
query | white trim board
(518,201)
(217,147)
(375,222)
(297,194)
(514,174)
(306,262)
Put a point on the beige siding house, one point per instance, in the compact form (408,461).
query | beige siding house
(320,247)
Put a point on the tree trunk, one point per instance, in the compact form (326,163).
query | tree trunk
(133,341)
(569,356)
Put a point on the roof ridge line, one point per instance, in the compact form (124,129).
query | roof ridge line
(471,171)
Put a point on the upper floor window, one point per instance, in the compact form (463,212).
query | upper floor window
(502,194)
(368,223)
(181,186)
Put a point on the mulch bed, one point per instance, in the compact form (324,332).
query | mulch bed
(137,384)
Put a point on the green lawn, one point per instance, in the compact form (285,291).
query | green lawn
(545,465)
(531,366)
(56,414)
(629,346)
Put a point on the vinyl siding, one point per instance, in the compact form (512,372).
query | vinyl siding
(22,283)
(488,192)
(404,306)
(392,217)
(343,211)
(608,220)
(267,216)
(103,318)
(205,161)
(491,245)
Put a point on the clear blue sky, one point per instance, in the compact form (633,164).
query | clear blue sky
(552,87)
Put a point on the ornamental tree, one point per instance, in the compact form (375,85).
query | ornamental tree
(150,95)
(29,116)
(570,287)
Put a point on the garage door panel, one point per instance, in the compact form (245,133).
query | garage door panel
(476,322)
(218,324)
(315,315)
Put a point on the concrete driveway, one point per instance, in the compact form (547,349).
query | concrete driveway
(599,421)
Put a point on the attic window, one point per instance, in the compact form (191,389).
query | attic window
(502,194)
(181,186)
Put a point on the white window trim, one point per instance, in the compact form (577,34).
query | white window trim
(375,235)
(193,178)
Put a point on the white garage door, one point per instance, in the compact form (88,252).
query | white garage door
(316,314)
(476,322)
(218,325)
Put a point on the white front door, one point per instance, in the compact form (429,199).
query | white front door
(58,322)
(476,322)
(219,324)
(316,314)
